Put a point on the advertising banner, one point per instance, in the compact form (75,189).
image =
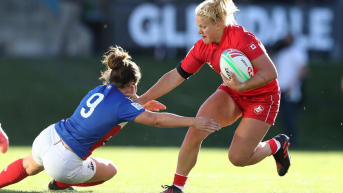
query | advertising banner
(147,26)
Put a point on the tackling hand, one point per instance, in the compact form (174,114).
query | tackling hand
(150,105)
(154,106)
(206,124)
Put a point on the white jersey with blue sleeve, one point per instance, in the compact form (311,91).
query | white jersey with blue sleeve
(101,114)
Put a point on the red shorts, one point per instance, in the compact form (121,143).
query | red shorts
(264,107)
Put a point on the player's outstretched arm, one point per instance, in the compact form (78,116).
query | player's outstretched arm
(172,120)
(166,83)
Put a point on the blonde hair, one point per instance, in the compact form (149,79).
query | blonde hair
(120,68)
(218,10)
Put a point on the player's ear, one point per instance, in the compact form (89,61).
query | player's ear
(135,88)
(219,25)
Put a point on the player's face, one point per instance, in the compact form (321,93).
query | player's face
(209,31)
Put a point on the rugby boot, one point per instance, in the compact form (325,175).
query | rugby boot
(53,186)
(4,143)
(282,158)
(171,189)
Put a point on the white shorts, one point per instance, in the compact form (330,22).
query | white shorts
(60,163)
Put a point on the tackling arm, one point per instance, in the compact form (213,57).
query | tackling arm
(172,120)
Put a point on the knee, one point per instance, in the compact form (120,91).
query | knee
(30,168)
(237,160)
(30,171)
(195,136)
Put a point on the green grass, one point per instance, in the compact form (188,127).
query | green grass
(145,169)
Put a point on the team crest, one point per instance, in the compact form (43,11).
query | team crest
(258,109)
(252,46)
(91,166)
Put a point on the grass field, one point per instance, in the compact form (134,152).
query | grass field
(145,169)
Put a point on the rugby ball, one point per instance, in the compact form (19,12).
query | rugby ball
(236,62)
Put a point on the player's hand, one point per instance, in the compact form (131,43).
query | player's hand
(4,143)
(206,124)
(154,106)
(137,99)
(233,83)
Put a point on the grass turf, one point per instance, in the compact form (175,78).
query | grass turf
(142,169)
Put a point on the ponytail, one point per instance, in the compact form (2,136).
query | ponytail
(120,68)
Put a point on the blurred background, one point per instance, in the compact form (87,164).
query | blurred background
(50,52)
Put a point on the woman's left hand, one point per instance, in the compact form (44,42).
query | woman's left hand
(233,83)
(154,106)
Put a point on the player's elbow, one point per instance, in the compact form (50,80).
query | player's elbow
(155,120)
(158,122)
(275,75)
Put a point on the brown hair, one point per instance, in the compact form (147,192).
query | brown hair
(120,68)
(218,10)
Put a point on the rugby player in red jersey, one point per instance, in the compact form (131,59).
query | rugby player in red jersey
(4,143)
(256,101)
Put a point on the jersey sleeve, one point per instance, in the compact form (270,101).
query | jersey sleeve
(249,44)
(129,110)
(193,60)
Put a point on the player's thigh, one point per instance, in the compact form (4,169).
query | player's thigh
(221,108)
(247,137)
(105,170)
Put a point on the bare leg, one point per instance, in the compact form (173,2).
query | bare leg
(19,170)
(212,108)
(105,170)
(246,147)
(31,166)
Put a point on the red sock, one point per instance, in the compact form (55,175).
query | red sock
(13,173)
(273,146)
(65,185)
(180,180)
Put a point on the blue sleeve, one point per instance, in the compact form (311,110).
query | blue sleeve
(129,110)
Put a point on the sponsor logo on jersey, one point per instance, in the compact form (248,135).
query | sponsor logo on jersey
(91,166)
(137,106)
(252,46)
(258,109)
(109,87)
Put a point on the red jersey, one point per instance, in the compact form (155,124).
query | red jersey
(236,37)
